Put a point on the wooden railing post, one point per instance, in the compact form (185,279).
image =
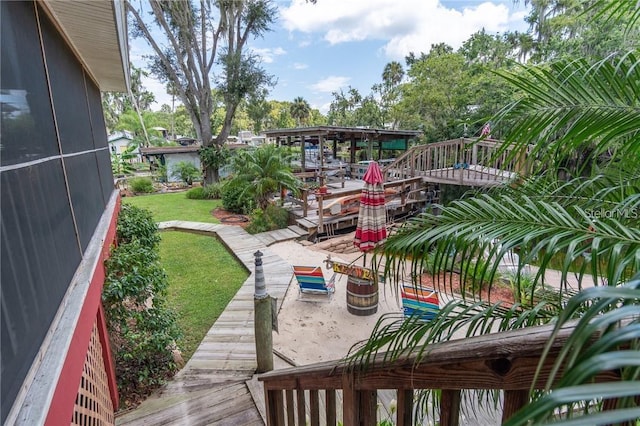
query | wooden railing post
(305,202)
(302,418)
(291,420)
(450,408)
(330,406)
(275,407)
(404,413)
(320,215)
(513,401)
(350,400)
(314,407)
(368,407)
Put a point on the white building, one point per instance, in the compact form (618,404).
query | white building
(120,141)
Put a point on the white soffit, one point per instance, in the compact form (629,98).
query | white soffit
(97,31)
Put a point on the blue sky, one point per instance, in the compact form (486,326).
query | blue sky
(315,50)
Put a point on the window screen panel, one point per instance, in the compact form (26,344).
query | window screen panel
(26,122)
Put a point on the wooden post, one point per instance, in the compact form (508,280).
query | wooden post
(450,407)
(404,415)
(305,202)
(262,319)
(320,218)
(303,160)
(513,401)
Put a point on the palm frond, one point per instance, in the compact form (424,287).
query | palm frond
(605,339)
(574,107)
(615,11)
(589,225)
(396,336)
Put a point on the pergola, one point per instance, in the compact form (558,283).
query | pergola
(358,138)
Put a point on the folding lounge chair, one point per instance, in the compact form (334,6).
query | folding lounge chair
(417,300)
(311,281)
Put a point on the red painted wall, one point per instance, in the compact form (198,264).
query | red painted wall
(64,397)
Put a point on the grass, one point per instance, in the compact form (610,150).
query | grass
(203,278)
(176,206)
(203,275)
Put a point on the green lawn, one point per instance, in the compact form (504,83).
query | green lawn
(175,206)
(203,275)
(203,278)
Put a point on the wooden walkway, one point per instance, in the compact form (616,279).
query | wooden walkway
(212,386)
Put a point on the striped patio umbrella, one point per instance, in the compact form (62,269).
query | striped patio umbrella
(371,229)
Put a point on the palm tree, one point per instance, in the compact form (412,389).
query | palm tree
(300,110)
(266,170)
(582,122)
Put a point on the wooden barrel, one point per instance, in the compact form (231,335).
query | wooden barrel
(362,296)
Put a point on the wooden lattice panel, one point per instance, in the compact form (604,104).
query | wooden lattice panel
(93,405)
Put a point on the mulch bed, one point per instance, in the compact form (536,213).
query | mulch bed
(229,218)
(448,283)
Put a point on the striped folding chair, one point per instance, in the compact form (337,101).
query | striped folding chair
(311,281)
(419,301)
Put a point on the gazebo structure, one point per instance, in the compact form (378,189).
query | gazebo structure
(359,139)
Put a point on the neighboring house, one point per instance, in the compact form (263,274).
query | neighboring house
(59,208)
(119,142)
(170,156)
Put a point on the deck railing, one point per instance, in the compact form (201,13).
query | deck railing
(461,161)
(505,361)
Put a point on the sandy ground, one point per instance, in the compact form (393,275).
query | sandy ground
(322,329)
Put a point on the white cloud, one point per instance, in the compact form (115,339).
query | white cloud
(300,66)
(268,54)
(324,108)
(406,26)
(330,84)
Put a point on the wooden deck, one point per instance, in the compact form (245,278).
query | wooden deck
(411,195)
(212,387)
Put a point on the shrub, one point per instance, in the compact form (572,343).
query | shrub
(142,329)
(272,218)
(209,192)
(141,185)
(213,191)
(186,172)
(196,193)
(135,223)
(236,196)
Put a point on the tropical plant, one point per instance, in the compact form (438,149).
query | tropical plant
(121,163)
(580,122)
(267,171)
(185,171)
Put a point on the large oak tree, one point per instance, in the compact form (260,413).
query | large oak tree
(200,44)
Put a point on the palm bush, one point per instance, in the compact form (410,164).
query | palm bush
(265,171)
(580,123)
(187,172)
